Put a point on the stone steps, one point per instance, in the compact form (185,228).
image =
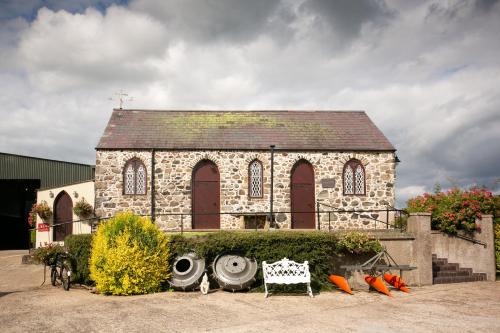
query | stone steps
(445,272)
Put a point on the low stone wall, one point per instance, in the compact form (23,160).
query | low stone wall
(468,254)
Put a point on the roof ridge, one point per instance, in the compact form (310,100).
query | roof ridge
(253,110)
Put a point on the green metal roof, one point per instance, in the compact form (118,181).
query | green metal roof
(51,173)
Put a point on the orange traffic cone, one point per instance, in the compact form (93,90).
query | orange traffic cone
(378,284)
(396,282)
(340,282)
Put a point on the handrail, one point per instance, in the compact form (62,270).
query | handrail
(95,220)
(469,239)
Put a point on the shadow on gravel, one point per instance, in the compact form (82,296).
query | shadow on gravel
(2,293)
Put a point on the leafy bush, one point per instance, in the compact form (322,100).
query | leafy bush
(79,247)
(82,209)
(454,210)
(324,251)
(357,242)
(47,254)
(129,256)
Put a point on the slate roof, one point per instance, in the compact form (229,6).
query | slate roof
(245,130)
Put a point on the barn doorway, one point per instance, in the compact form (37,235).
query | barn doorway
(206,196)
(63,216)
(302,195)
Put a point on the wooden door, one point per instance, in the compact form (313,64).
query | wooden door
(302,195)
(206,196)
(63,213)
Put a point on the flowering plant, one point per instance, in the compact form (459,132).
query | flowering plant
(32,216)
(82,209)
(48,253)
(455,209)
(42,209)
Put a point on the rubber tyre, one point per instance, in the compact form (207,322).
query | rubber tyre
(65,277)
(53,276)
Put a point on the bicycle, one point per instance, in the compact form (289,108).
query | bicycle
(60,270)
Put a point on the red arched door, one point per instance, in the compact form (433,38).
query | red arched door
(63,215)
(302,195)
(206,196)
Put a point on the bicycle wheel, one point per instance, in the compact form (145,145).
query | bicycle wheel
(65,277)
(53,276)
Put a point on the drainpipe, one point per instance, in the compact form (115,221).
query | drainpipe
(153,185)
(271,222)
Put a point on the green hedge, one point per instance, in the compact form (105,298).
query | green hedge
(325,252)
(79,247)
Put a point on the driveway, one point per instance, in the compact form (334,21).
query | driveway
(25,306)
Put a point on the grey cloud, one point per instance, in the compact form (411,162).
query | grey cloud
(205,21)
(461,10)
(486,5)
(346,18)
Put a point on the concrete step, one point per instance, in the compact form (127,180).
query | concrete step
(446,272)
(458,279)
(439,261)
(451,273)
(450,267)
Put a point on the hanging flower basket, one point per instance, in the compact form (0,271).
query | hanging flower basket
(43,210)
(83,209)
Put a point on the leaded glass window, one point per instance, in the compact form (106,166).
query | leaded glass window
(129,179)
(134,177)
(354,178)
(348,181)
(255,183)
(359,180)
(141,180)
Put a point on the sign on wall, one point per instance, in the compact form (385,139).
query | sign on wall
(328,183)
(42,227)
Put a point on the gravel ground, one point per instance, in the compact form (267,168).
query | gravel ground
(25,307)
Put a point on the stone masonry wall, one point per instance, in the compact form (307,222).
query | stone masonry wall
(173,171)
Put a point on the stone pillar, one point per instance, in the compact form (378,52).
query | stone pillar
(419,225)
(487,235)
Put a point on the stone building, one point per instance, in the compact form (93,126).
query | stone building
(213,169)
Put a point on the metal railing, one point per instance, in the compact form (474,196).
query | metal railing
(326,218)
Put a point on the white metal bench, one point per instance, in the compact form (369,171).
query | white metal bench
(287,271)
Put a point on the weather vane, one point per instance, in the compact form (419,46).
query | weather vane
(121,97)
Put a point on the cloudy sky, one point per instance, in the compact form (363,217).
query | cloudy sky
(426,72)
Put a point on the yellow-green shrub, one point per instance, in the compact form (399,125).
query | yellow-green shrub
(129,256)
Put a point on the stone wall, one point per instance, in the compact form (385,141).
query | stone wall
(173,171)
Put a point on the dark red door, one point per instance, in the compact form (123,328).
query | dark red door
(302,194)
(63,216)
(206,196)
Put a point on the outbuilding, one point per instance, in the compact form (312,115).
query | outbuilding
(20,179)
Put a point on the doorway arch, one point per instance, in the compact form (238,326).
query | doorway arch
(206,196)
(63,216)
(302,195)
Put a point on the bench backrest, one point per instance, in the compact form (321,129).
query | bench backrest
(286,271)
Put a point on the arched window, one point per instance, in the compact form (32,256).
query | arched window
(255,179)
(354,178)
(134,177)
